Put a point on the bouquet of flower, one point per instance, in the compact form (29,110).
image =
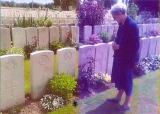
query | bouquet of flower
(93,39)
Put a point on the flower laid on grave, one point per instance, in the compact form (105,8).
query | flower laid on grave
(88,80)
(147,64)
(50,102)
(93,39)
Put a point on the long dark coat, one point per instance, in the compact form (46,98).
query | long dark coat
(126,56)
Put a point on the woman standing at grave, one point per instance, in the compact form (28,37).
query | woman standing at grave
(125,48)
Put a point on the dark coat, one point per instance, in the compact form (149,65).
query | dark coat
(126,56)
(130,43)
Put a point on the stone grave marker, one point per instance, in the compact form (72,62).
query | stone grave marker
(75,33)
(5,38)
(19,37)
(104,28)
(97,29)
(66,61)
(43,36)
(110,58)
(140,27)
(41,71)
(12,81)
(31,34)
(144,46)
(101,57)
(54,33)
(87,32)
(144,29)
(64,33)
(85,52)
(110,31)
(152,45)
(157,45)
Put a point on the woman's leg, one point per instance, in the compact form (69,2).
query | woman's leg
(119,94)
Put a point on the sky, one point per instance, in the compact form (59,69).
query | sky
(28,1)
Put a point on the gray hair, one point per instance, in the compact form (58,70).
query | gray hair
(119,7)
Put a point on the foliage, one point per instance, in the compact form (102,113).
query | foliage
(29,48)
(3,52)
(62,85)
(31,22)
(93,39)
(54,46)
(65,3)
(25,22)
(152,33)
(70,42)
(50,102)
(104,36)
(90,13)
(16,50)
(89,81)
(147,64)
(145,18)
(15,109)
(132,10)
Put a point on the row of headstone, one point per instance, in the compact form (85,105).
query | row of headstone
(97,29)
(102,53)
(145,28)
(149,46)
(41,71)
(23,36)
(53,14)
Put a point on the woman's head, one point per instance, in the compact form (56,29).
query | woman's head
(118,12)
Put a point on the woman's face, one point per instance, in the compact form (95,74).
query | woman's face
(117,17)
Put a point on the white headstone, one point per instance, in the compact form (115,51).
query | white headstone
(31,34)
(104,28)
(110,31)
(19,37)
(97,29)
(140,26)
(43,36)
(12,81)
(75,33)
(157,45)
(144,29)
(5,38)
(64,33)
(54,33)
(66,61)
(152,45)
(110,58)
(87,32)
(144,46)
(41,71)
(101,57)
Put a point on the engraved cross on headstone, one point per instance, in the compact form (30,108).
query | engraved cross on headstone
(101,60)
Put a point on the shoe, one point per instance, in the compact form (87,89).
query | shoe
(114,100)
(123,108)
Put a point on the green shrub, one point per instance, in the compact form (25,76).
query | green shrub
(3,52)
(16,50)
(40,48)
(132,10)
(54,46)
(104,36)
(62,85)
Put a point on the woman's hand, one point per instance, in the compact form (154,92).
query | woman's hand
(115,46)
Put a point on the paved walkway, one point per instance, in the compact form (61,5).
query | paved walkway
(144,100)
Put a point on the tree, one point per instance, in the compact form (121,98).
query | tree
(64,4)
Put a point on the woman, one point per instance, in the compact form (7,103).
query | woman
(125,48)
